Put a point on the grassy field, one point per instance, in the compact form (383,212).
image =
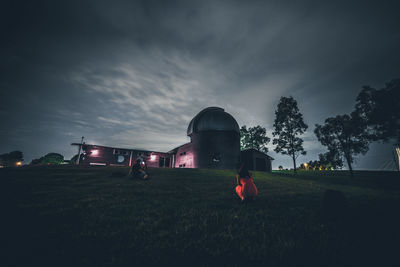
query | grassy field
(97,216)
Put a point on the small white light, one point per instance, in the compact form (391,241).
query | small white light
(153,157)
(94,152)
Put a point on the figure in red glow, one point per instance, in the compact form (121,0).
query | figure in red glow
(245,189)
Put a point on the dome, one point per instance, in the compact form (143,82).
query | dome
(212,118)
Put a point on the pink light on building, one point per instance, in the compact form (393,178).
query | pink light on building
(94,153)
(153,157)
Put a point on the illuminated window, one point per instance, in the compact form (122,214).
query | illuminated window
(120,159)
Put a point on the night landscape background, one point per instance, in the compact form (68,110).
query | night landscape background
(133,73)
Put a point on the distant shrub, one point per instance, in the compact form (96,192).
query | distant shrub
(49,159)
(11,159)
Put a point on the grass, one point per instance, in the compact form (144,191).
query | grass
(97,216)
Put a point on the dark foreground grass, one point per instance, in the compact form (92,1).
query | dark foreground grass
(64,216)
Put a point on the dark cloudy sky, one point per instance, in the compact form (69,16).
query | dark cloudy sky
(133,73)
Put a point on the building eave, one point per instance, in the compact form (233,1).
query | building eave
(122,148)
(252,149)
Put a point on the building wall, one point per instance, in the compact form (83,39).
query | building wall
(256,160)
(208,149)
(248,159)
(185,157)
(215,149)
(100,155)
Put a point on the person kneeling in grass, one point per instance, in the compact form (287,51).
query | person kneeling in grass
(245,189)
(139,170)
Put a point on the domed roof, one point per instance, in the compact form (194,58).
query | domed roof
(212,118)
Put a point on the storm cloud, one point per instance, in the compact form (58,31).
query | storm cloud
(133,73)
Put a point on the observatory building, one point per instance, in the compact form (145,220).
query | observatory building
(214,144)
(214,141)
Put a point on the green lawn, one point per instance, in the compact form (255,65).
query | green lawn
(97,216)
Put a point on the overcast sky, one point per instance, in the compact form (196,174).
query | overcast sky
(133,73)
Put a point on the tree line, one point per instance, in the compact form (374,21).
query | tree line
(376,117)
(11,159)
(15,159)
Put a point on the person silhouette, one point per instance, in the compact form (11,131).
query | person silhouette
(245,189)
(139,169)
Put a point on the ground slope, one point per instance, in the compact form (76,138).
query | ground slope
(72,216)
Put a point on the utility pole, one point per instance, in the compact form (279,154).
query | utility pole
(79,152)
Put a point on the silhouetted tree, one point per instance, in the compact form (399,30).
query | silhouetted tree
(254,137)
(36,161)
(11,159)
(325,162)
(380,110)
(49,159)
(344,136)
(313,165)
(331,159)
(53,158)
(288,126)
